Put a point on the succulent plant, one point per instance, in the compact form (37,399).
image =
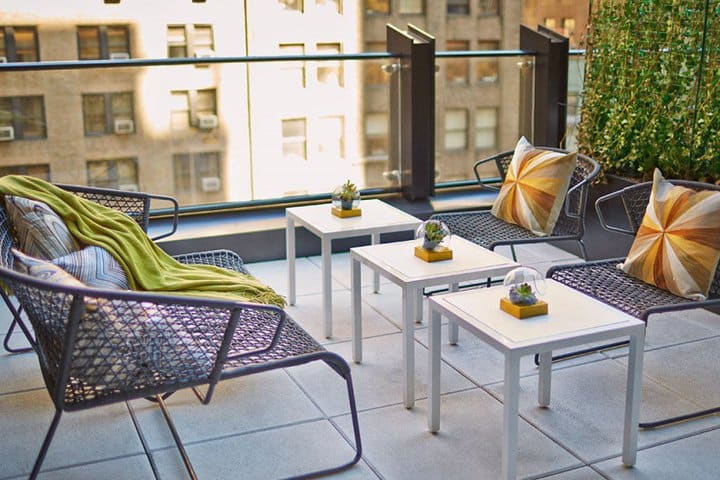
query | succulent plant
(348,191)
(522,295)
(434,231)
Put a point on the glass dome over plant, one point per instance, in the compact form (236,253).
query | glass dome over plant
(346,196)
(524,285)
(433,235)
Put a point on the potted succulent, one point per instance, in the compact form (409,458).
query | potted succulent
(524,287)
(346,196)
(435,232)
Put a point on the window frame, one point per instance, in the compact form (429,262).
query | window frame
(330,65)
(294,139)
(464,130)
(109,116)
(384,137)
(493,127)
(103,40)
(26,169)
(111,182)
(285,8)
(456,4)
(421,4)
(10,42)
(17,115)
(192,107)
(195,179)
(370,10)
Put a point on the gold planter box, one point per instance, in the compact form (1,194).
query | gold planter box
(353,212)
(436,255)
(523,311)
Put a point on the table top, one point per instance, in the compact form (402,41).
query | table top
(377,217)
(398,261)
(571,314)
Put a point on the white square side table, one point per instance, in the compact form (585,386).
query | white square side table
(397,262)
(573,319)
(377,217)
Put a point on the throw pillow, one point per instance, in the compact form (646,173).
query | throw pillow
(534,189)
(677,246)
(95,267)
(40,231)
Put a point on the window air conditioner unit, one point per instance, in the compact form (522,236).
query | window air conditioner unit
(204,53)
(210,184)
(7,134)
(120,56)
(129,187)
(207,121)
(3,59)
(124,126)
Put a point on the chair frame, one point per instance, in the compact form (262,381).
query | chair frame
(135,204)
(234,338)
(570,224)
(603,281)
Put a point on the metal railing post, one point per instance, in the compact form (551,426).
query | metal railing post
(412,110)
(551,83)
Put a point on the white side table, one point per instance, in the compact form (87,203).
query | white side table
(377,217)
(573,319)
(397,262)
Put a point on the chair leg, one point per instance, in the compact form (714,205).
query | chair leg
(583,251)
(585,351)
(176,437)
(45,445)
(15,322)
(678,419)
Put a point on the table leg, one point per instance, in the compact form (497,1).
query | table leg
(632,400)
(408,347)
(434,343)
(290,256)
(326,249)
(510,415)
(418,308)
(453,332)
(375,239)
(355,290)
(544,378)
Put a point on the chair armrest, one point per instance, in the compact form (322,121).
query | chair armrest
(174,209)
(220,258)
(690,305)
(476,170)
(600,204)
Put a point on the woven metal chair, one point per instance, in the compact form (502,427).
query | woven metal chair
(99,346)
(603,281)
(486,230)
(134,204)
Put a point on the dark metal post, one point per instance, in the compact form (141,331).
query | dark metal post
(551,77)
(412,110)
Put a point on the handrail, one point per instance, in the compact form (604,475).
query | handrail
(485,53)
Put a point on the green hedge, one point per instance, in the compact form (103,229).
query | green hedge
(652,88)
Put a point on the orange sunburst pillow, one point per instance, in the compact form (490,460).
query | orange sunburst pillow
(677,246)
(534,189)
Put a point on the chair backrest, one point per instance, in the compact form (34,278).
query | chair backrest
(635,200)
(576,199)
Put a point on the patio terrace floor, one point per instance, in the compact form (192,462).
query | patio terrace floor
(285,422)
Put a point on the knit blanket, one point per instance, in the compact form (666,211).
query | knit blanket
(147,266)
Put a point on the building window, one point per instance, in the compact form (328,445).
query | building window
(410,6)
(40,171)
(331,136)
(458,7)
(335,6)
(486,128)
(372,69)
(106,113)
(295,5)
(568,26)
(293,72)
(119,173)
(190,41)
(197,173)
(330,72)
(25,115)
(376,134)
(377,6)
(294,138)
(456,129)
(550,23)
(103,42)
(457,69)
(486,70)
(488,7)
(188,108)
(19,44)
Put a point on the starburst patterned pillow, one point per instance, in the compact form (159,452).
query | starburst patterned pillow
(534,189)
(677,246)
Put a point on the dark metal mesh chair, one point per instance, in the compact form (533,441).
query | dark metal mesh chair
(486,230)
(603,281)
(134,204)
(99,346)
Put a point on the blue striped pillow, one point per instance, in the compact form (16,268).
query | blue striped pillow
(95,267)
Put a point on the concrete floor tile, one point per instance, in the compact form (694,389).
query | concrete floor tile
(586,473)
(378,380)
(136,467)
(308,276)
(240,405)
(308,313)
(399,445)
(19,371)
(692,458)
(587,406)
(276,453)
(85,436)
(341,270)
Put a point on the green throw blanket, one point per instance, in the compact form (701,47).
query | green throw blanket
(147,266)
